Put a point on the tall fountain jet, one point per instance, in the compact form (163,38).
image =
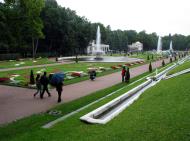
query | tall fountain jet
(171,46)
(98,52)
(159,45)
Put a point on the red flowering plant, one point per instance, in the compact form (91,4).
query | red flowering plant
(128,65)
(113,67)
(4,79)
(76,74)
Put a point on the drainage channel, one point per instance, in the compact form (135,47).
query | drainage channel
(105,113)
(52,123)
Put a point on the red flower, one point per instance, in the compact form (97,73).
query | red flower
(128,64)
(3,79)
(76,74)
(114,67)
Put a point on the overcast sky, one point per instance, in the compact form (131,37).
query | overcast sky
(160,16)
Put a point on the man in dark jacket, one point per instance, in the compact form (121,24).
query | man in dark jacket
(59,88)
(44,81)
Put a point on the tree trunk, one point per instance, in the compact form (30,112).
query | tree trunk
(33,48)
(36,47)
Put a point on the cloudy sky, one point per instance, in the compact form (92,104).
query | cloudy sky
(160,16)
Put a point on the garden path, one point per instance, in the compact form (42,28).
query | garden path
(16,103)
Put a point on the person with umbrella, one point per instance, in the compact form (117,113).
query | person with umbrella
(56,80)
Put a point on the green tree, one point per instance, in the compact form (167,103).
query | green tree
(32,81)
(150,67)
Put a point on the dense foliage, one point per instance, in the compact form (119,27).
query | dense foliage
(31,26)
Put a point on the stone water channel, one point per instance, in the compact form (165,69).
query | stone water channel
(108,111)
(105,113)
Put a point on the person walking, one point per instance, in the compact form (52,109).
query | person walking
(123,72)
(127,76)
(38,85)
(59,88)
(92,74)
(44,81)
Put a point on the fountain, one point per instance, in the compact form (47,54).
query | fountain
(159,45)
(98,52)
(171,46)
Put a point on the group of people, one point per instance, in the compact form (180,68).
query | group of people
(125,74)
(42,83)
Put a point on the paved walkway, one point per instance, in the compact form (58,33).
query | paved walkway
(16,103)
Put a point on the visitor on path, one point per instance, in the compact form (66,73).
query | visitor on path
(59,88)
(123,72)
(44,81)
(92,74)
(38,85)
(127,75)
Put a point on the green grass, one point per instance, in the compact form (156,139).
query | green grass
(184,66)
(161,114)
(31,125)
(28,62)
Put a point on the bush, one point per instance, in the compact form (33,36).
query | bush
(170,60)
(175,58)
(148,58)
(32,77)
(150,67)
(152,56)
(163,63)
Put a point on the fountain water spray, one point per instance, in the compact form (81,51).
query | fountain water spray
(171,46)
(159,45)
(98,51)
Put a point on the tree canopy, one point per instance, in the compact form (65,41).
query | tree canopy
(28,26)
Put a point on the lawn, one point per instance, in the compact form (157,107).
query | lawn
(184,66)
(24,62)
(161,114)
(32,125)
(24,74)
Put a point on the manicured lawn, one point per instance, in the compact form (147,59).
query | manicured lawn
(161,114)
(26,62)
(184,66)
(24,74)
(31,125)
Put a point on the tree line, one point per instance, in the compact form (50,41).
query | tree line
(31,26)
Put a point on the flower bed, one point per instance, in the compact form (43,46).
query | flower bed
(76,74)
(114,67)
(128,65)
(4,79)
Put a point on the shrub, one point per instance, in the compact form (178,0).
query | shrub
(148,58)
(150,67)
(175,58)
(32,77)
(170,60)
(163,63)
(152,56)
